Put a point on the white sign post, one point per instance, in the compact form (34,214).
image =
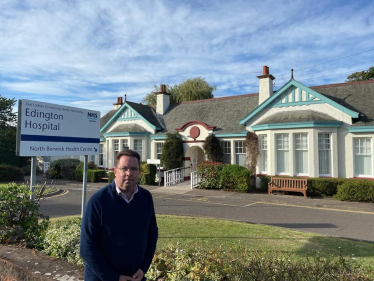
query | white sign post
(46,129)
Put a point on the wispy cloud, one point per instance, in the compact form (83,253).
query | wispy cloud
(89,52)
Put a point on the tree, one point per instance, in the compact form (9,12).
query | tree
(8,133)
(361,75)
(213,148)
(190,89)
(172,152)
(251,143)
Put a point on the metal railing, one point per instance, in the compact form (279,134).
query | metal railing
(195,179)
(174,176)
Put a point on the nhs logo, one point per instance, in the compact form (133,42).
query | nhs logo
(92,116)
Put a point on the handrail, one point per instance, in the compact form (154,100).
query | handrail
(174,176)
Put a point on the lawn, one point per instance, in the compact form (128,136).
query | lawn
(254,237)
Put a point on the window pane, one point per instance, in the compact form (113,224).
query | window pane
(282,153)
(263,153)
(125,145)
(324,153)
(363,157)
(138,147)
(301,153)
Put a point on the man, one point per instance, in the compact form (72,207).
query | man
(119,230)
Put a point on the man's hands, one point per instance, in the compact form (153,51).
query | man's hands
(138,276)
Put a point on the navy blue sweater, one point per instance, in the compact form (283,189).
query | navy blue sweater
(117,238)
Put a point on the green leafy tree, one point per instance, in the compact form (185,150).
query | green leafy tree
(362,75)
(172,152)
(8,134)
(190,89)
(213,148)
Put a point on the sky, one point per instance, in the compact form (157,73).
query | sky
(87,53)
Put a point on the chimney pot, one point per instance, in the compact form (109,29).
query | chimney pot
(265,70)
(119,100)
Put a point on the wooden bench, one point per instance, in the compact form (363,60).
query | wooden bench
(288,184)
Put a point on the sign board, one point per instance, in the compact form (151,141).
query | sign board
(154,161)
(46,129)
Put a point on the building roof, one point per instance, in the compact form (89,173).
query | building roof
(224,113)
(357,96)
(129,128)
(145,111)
(296,116)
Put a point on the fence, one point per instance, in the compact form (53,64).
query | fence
(195,179)
(174,176)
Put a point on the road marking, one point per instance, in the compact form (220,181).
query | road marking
(61,194)
(316,208)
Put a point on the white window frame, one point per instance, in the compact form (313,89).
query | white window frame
(158,149)
(240,149)
(115,151)
(226,149)
(324,145)
(301,144)
(136,148)
(364,150)
(125,144)
(263,153)
(283,146)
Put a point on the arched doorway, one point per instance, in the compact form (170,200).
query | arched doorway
(196,155)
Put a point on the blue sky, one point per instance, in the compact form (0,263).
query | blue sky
(87,53)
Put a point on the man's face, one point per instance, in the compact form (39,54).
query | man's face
(127,173)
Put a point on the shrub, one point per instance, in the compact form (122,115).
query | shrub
(210,173)
(264,181)
(62,240)
(195,263)
(147,173)
(10,173)
(19,216)
(92,175)
(172,152)
(68,172)
(213,149)
(235,177)
(54,170)
(90,166)
(356,190)
(27,170)
(325,187)
(111,176)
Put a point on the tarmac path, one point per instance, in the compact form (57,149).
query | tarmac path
(323,216)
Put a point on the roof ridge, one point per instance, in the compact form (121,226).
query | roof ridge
(220,98)
(343,84)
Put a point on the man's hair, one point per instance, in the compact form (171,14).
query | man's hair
(127,152)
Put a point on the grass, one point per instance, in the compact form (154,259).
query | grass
(213,233)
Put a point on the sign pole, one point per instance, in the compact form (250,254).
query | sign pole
(84,184)
(33,177)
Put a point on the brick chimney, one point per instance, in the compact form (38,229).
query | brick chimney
(163,100)
(119,103)
(265,85)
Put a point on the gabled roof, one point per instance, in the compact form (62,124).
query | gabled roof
(313,97)
(357,96)
(137,111)
(224,113)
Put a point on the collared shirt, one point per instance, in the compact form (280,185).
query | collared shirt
(124,196)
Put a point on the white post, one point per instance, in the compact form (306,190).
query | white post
(33,177)
(84,184)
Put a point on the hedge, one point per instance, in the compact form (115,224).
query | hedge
(147,174)
(210,174)
(235,177)
(356,190)
(92,175)
(54,170)
(10,173)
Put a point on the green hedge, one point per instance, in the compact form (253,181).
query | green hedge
(54,170)
(111,176)
(10,173)
(210,174)
(92,175)
(235,177)
(147,174)
(324,187)
(356,190)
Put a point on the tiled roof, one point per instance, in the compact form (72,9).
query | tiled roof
(146,111)
(296,116)
(224,113)
(357,96)
(128,128)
